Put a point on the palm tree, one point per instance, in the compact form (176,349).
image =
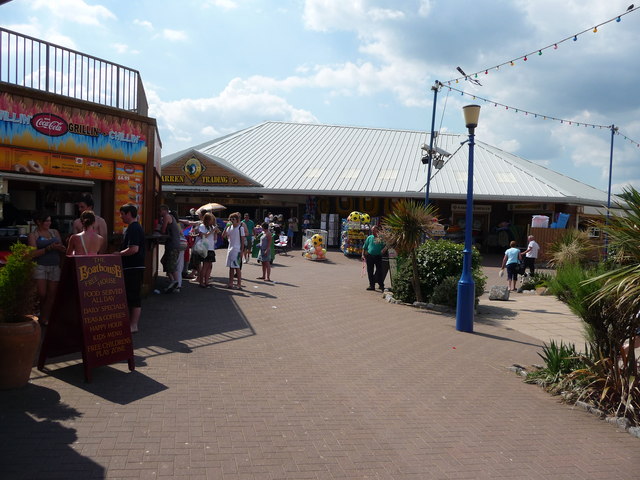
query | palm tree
(404,230)
(621,284)
(623,232)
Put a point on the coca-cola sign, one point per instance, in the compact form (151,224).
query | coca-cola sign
(49,124)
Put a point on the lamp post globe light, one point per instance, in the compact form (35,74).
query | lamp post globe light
(466,286)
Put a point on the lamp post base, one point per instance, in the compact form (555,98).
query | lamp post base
(465,305)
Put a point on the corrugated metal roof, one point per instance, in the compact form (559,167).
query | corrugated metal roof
(336,160)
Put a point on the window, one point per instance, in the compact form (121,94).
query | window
(593,232)
(505,177)
(313,172)
(350,173)
(388,174)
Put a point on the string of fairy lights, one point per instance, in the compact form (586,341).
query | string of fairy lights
(473,77)
(539,51)
(539,115)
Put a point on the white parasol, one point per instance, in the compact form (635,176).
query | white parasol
(210,207)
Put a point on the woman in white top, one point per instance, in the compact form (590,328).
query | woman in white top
(208,233)
(234,233)
(87,242)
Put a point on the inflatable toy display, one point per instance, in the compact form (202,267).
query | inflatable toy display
(314,248)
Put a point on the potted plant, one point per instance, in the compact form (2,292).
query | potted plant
(19,331)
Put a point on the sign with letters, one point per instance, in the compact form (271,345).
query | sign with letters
(199,170)
(33,124)
(90,314)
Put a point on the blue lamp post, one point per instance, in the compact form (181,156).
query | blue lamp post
(466,285)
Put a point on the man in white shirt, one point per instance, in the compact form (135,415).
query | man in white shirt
(531,254)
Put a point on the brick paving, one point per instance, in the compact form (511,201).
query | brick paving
(308,378)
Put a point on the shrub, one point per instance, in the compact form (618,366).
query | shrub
(17,287)
(612,383)
(606,384)
(537,280)
(542,279)
(602,319)
(573,247)
(446,293)
(559,359)
(437,260)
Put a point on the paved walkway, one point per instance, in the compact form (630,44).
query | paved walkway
(539,316)
(309,378)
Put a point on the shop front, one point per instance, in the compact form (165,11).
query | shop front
(54,150)
(194,179)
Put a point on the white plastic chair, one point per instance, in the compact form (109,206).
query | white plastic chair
(282,245)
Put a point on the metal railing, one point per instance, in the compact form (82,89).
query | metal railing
(33,63)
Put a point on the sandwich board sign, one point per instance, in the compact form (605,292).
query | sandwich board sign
(90,314)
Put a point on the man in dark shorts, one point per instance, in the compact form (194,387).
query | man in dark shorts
(132,252)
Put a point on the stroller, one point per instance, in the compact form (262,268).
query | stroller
(523,275)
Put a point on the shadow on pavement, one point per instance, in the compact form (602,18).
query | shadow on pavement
(108,382)
(33,444)
(170,323)
(195,317)
(541,310)
(494,314)
(498,337)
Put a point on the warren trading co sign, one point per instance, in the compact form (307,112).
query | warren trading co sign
(194,171)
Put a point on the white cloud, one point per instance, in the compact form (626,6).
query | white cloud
(377,14)
(224,4)
(34,29)
(327,15)
(122,48)
(174,35)
(424,8)
(509,145)
(240,105)
(143,23)
(77,11)
(349,79)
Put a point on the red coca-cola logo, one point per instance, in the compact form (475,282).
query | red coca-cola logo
(49,124)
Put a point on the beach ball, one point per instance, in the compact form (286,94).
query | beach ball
(316,240)
(354,217)
(366,218)
(314,256)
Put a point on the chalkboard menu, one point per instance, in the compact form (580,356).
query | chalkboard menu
(90,314)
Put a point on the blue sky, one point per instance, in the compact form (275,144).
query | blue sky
(212,67)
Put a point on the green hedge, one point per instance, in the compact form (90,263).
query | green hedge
(437,260)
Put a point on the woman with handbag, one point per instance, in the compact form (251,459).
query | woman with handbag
(511,261)
(208,235)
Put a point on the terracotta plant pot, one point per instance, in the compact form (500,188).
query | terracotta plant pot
(18,346)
